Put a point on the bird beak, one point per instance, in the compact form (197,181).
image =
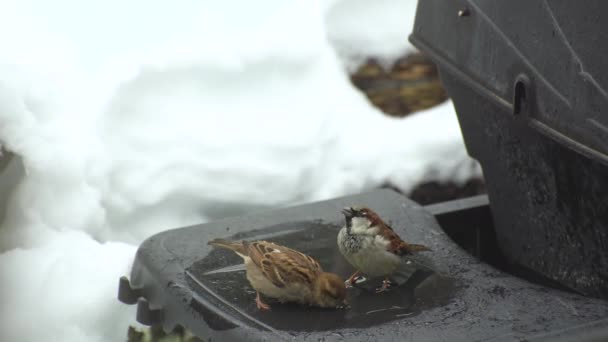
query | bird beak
(348,212)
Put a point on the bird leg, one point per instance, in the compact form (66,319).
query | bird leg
(260,304)
(386,284)
(352,279)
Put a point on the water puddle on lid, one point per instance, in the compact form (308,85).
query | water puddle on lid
(415,287)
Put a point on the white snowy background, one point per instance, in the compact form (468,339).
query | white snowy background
(133,117)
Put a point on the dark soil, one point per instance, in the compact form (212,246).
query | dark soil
(435,192)
(410,85)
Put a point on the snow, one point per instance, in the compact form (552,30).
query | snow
(358,29)
(131,118)
(64,291)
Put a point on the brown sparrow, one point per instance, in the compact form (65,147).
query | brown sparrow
(286,275)
(371,246)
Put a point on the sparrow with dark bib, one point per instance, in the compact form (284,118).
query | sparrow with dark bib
(371,246)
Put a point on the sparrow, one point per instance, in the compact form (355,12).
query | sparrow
(372,246)
(287,275)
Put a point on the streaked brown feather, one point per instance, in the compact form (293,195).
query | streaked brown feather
(279,264)
(396,244)
(238,247)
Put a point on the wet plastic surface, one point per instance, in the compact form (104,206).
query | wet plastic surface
(528,81)
(319,239)
(445,295)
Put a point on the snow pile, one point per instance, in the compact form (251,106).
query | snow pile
(358,29)
(132,118)
(63,291)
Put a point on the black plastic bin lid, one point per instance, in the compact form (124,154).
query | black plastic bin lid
(446,295)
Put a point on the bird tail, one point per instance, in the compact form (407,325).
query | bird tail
(412,248)
(238,247)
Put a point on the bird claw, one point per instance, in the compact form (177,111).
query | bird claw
(263,306)
(386,285)
(260,304)
(353,280)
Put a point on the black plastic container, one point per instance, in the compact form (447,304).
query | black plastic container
(444,295)
(529,82)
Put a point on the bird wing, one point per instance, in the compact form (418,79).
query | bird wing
(282,265)
(396,244)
